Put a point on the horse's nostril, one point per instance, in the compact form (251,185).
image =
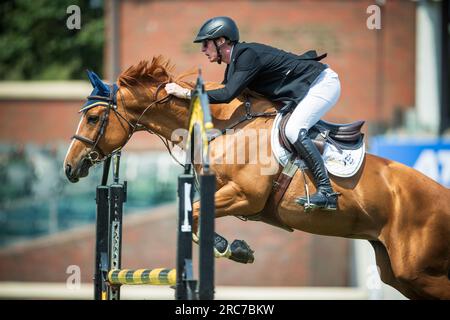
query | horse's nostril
(68,169)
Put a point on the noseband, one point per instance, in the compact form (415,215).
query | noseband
(109,103)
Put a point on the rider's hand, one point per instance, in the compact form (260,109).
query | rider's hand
(178,91)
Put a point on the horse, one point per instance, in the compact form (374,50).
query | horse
(403,214)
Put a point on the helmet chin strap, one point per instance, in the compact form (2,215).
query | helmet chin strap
(219,54)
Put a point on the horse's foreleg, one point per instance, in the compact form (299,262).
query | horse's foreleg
(229,200)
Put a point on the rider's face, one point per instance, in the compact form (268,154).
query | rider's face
(209,49)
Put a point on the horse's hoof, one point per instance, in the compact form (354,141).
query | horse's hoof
(220,244)
(241,252)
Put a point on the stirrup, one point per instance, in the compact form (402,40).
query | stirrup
(328,206)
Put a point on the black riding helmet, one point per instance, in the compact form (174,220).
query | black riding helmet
(218,27)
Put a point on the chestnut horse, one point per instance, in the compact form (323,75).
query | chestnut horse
(404,214)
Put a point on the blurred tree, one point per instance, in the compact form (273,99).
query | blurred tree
(35,43)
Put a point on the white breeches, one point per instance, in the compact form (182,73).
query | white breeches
(322,95)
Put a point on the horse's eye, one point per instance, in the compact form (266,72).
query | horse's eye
(92,119)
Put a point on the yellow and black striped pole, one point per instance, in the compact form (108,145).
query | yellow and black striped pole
(157,277)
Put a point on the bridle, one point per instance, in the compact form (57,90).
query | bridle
(109,102)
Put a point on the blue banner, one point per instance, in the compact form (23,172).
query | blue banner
(429,156)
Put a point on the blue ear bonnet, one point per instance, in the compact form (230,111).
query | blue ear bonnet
(100,89)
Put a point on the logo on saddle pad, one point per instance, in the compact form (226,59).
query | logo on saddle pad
(341,160)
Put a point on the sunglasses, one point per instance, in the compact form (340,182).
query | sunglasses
(205,44)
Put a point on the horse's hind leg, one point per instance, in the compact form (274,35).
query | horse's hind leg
(230,200)
(386,273)
(434,287)
(420,259)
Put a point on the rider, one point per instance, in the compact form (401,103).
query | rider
(301,82)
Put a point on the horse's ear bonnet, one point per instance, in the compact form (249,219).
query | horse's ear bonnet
(100,89)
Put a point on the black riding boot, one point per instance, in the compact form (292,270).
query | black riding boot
(325,197)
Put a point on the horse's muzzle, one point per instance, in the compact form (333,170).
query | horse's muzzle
(69,174)
(82,171)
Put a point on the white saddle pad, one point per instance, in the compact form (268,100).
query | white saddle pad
(341,164)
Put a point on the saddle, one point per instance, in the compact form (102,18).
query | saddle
(342,136)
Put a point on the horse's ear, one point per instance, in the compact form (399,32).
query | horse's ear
(97,82)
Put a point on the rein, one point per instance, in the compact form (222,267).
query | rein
(249,115)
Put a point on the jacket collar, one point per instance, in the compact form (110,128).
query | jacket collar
(234,51)
(230,67)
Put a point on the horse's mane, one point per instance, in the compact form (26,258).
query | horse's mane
(159,70)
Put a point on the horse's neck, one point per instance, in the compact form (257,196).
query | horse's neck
(167,118)
(160,118)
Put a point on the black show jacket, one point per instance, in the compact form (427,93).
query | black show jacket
(274,73)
